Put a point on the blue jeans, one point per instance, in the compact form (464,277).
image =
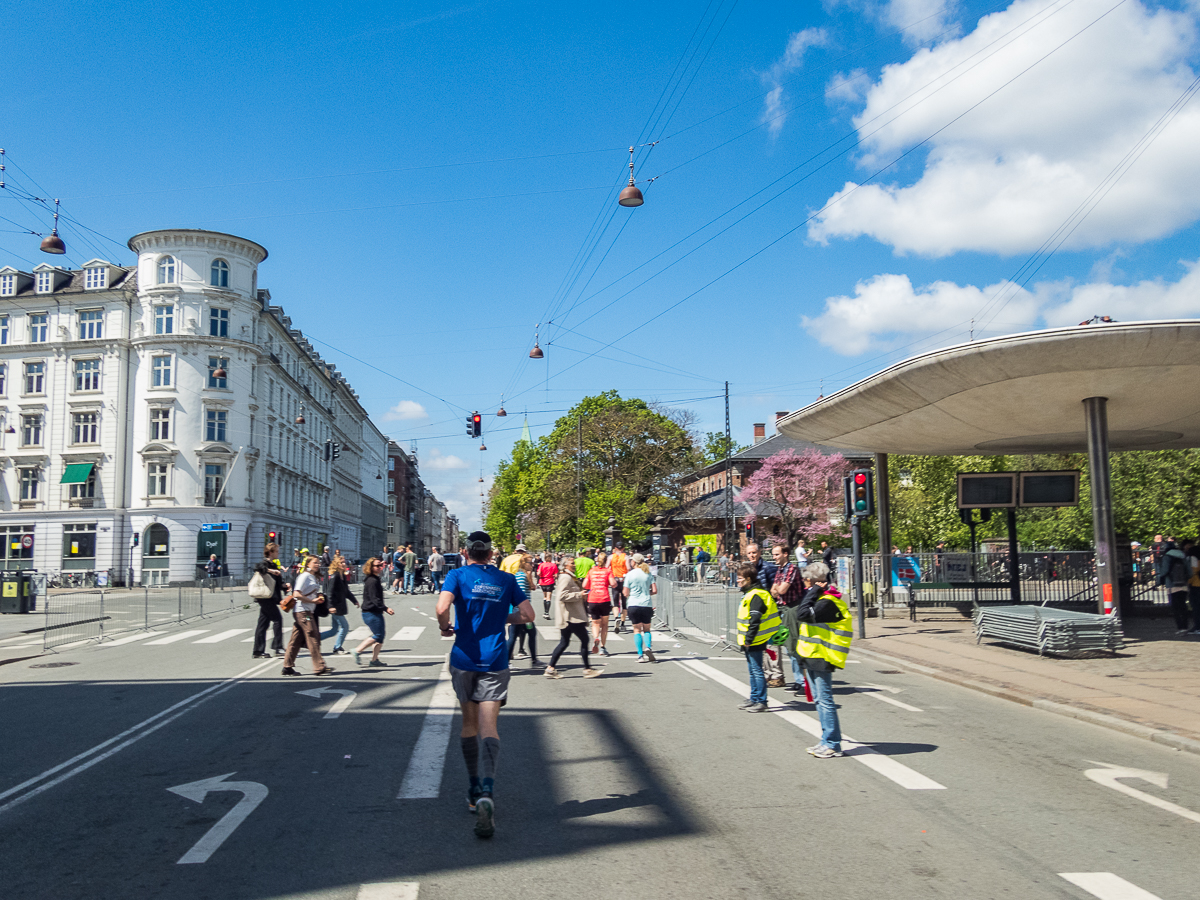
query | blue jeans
(822,688)
(797,668)
(408,581)
(340,627)
(436,578)
(758,681)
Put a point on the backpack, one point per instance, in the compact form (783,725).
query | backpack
(1177,571)
(261,587)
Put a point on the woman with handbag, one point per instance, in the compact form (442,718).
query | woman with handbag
(339,593)
(266,589)
(303,603)
(373,609)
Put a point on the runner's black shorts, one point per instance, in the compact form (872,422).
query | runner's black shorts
(640,615)
(599,610)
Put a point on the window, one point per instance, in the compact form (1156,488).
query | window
(8,285)
(391,485)
(31,430)
(160,371)
(79,546)
(160,424)
(391,527)
(214,363)
(164,320)
(214,480)
(14,546)
(95,277)
(45,282)
(4,326)
(87,374)
(91,325)
(392,505)
(85,428)
(214,425)
(218,322)
(38,327)
(156,480)
(35,374)
(85,492)
(219,276)
(166,270)
(29,484)
(3,378)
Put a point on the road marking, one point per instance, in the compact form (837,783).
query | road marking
(183,635)
(874,692)
(549,632)
(359,633)
(131,639)
(863,753)
(339,706)
(689,670)
(397,890)
(409,633)
(252,793)
(1108,776)
(423,780)
(223,636)
(1104,885)
(134,734)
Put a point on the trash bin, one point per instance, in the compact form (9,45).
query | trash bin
(11,598)
(27,592)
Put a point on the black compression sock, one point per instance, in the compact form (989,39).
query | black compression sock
(470,751)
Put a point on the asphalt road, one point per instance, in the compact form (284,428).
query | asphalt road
(646,781)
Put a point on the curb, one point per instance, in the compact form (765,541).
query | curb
(1136,729)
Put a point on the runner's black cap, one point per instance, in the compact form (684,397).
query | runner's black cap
(479,540)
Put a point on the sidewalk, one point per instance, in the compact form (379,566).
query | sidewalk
(1150,689)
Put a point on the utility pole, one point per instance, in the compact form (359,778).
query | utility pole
(578,474)
(730,537)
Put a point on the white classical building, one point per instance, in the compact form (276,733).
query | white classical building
(151,416)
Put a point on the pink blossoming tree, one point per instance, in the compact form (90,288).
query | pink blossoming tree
(799,490)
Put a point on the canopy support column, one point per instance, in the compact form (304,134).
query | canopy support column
(883,511)
(1102,514)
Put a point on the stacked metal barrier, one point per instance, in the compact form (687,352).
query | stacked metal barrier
(706,613)
(1048,630)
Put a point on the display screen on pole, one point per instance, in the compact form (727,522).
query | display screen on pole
(1049,488)
(987,490)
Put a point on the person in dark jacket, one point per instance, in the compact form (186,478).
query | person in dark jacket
(338,592)
(373,609)
(269,615)
(1176,570)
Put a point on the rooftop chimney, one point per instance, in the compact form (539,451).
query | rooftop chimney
(778,416)
(760,431)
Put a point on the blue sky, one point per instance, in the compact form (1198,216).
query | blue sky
(434,180)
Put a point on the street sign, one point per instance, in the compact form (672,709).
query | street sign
(215,526)
(27,542)
(981,490)
(956,568)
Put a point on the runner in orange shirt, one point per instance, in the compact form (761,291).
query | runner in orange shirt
(618,564)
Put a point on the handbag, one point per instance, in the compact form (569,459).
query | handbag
(322,610)
(288,603)
(261,587)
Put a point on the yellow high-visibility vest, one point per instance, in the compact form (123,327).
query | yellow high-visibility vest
(829,641)
(767,625)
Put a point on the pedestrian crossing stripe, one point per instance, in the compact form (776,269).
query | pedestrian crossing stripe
(409,633)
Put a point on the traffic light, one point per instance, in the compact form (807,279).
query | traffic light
(272,537)
(860,493)
(474,425)
(327,454)
(749,531)
(136,538)
(335,449)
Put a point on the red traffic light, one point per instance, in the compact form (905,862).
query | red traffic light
(860,478)
(477,418)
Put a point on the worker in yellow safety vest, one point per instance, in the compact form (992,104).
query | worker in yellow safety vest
(758,619)
(823,643)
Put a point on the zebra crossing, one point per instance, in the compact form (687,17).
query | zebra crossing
(205,636)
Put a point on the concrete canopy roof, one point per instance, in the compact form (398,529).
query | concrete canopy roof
(1022,394)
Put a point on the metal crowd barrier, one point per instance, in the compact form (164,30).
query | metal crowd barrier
(701,612)
(74,617)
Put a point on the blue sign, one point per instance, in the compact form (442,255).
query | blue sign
(215,526)
(905,571)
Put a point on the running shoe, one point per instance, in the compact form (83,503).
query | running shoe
(826,753)
(357,658)
(650,655)
(289,671)
(326,671)
(473,795)
(746,704)
(595,646)
(591,673)
(552,672)
(642,658)
(756,707)
(604,651)
(485,817)
(377,662)
(280,654)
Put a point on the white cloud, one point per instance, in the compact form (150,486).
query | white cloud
(1003,177)
(436,460)
(920,20)
(888,312)
(405,410)
(792,59)
(850,87)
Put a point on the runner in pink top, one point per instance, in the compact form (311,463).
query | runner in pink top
(547,574)
(599,602)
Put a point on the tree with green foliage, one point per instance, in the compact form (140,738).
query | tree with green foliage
(608,456)
(716,447)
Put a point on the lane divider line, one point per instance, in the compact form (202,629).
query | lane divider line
(397,890)
(1107,886)
(127,737)
(871,758)
(879,695)
(423,778)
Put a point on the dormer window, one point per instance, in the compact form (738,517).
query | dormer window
(8,285)
(95,277)
(166,270)
(219,275)
(45,281)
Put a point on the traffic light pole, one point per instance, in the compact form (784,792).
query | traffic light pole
(856,535)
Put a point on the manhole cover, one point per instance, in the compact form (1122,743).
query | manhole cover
(54,665)
(889,671)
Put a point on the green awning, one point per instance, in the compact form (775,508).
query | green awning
(77,473)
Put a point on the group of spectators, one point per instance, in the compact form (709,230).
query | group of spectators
(1177,568)
(404,572)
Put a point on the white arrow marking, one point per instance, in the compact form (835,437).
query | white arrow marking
(1107,886)
(396,890)
(339,706)
(1109,775)
(253,794)
(873,692)
(883,687)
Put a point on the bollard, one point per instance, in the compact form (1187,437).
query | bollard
(102,617)
(179,615)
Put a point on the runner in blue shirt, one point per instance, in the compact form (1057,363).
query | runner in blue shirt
(485,600)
